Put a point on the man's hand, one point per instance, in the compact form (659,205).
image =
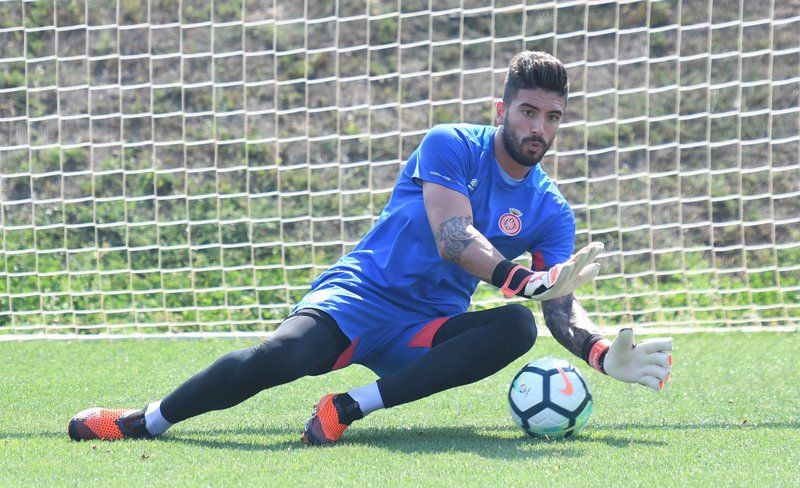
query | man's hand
(560,280)
(648,362)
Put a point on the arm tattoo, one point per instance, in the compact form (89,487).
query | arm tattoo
(568,322)
(452,238)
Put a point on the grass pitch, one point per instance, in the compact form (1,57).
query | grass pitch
(729,416)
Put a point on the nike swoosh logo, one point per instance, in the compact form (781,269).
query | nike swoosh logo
(554,274)
(568,389)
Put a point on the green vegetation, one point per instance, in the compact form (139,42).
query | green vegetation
(111,220)
(718,422)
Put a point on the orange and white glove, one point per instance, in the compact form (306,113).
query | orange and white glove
(647,362)
(560,280)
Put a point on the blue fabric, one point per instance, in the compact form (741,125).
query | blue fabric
(395,279)
(391,355)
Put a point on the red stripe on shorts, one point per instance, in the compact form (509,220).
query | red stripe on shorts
(346,357)
(424,338)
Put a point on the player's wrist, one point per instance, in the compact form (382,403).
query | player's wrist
(594,351)
(511,278)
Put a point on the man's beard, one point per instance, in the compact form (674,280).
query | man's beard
(515,149)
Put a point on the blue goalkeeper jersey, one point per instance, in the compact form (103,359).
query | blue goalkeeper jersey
(395,276)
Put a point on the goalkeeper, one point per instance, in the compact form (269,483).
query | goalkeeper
(469,199)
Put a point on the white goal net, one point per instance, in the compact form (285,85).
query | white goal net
(191,165)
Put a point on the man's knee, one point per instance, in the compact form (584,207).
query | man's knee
(236,370)
(290,358)
(519,327)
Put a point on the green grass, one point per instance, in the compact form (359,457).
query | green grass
(729,416)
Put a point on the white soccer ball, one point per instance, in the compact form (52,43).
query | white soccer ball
(549,398)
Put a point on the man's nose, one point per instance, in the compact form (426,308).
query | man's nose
(537,124)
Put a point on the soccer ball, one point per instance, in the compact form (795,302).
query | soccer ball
(549,398)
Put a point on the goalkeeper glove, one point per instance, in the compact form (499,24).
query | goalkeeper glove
(647,362)
(560,280)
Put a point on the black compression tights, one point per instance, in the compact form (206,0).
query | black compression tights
(307,343)
(467,348)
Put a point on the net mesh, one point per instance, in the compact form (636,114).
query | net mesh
(190,166)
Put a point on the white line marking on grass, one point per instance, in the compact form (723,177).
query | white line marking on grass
(610,331)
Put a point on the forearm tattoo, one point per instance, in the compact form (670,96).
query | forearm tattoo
(568,322)
(453,238)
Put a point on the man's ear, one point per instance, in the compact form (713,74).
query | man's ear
(500,110)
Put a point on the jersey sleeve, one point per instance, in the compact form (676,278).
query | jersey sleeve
(560,242)
(443,158)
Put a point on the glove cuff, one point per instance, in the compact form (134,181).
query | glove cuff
(511,278)
(594,351)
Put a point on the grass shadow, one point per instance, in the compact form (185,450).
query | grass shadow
(493,442)
(503,442)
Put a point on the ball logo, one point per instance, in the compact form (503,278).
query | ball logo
(568,389)
(510,223)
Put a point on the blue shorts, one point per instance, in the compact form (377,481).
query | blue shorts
(382,338)
(410,344)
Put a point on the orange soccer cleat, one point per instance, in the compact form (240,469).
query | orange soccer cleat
(324,426)
(107,424)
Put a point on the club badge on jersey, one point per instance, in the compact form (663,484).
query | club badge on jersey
(510,222)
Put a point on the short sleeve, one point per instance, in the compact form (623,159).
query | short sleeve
(443,158)
(559,245)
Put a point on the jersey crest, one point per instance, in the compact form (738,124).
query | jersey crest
(510,222)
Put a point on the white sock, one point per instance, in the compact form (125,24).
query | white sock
(155,423)
(368,398)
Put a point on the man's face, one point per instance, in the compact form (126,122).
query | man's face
(530,123)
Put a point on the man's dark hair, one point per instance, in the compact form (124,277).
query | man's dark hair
(535,69)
